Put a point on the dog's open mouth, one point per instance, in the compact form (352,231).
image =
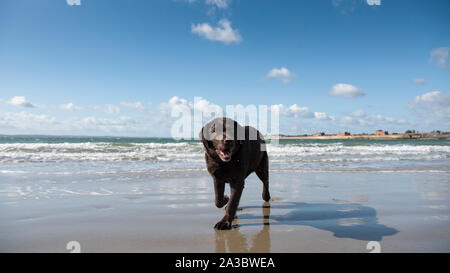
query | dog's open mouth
(224,155)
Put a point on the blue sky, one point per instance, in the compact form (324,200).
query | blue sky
(116,67)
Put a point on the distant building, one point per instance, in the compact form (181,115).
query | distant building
(343,134)
(319,134)
(381,133)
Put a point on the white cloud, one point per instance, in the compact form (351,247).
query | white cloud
(345,6)
(134,105)
(282,74)
(297,111)
(221,4)
(208,108)
(346,91)
(358,113)
(369,121)
(218,3)
(27,123)
(205,107)
(433,106)
(293,111)
(419,81)
(21,101)
(199,112)
(71,107)
(111,109)
(322,116)
(373,120)
(73,2)
(373,2)
(222,33)
(24,120)
(347,120)
(349,6)
(439,57)
(433,96)
(106,124)
(174,103)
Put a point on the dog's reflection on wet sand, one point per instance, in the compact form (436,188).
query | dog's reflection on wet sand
(237,242)
(348,220)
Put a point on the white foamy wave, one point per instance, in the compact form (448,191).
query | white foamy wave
(42,152)
(193,152)
(361,159)
(340,149)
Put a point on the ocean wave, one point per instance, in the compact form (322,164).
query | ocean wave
(193,152)
(340,149)
(361,159)
(99,151)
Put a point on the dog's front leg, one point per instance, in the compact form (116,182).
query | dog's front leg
(236,188)
(219,189)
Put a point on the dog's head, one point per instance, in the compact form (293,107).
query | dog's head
(222,137)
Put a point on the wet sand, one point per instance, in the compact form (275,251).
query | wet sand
(309,212)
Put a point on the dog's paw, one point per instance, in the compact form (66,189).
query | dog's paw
(266,196)
(222,203)
(223,224)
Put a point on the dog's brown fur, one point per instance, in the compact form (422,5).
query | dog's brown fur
(231,155)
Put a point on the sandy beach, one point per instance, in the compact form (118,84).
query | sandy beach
(309,212)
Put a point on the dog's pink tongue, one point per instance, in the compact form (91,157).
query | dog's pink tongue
(224,154)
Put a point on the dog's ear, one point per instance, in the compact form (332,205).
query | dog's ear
(206,143)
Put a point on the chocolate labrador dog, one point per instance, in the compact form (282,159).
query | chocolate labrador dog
(232,153)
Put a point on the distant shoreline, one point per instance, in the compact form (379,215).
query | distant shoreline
(374,137)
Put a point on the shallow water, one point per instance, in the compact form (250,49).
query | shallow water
(37,166)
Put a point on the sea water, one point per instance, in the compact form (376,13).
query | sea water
(52,166)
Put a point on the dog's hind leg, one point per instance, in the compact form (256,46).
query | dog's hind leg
(263,173)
